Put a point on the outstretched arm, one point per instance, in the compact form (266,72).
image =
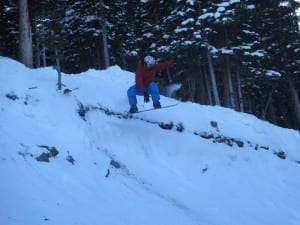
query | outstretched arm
(162,65)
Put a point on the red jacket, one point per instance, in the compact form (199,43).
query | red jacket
(144,76)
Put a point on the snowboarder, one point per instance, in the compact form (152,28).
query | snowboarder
(145,84)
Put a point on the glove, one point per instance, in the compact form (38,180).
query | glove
(146,97)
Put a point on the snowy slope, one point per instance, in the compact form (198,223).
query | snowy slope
(222,169)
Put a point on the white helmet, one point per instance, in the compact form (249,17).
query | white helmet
(149,61)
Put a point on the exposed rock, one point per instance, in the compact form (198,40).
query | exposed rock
(204,169)
(280,154)
(107,173)
(70,159)
(67,91)
(167,126)
(82,110)
(45,156)
(179,127)
(214,124)
(115,164)
(12,96)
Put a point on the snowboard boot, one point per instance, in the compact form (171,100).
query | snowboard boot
(133,109)
(156,105)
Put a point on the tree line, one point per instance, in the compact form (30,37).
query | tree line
(241,54)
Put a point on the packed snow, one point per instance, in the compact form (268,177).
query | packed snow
(189,164)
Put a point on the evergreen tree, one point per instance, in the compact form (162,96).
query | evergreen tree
(283,48)
(84,23)
(9,28)
(124,23)
(268,42)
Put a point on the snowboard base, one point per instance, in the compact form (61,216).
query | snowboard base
(145,110)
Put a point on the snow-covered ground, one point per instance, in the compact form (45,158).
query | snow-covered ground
(223,168)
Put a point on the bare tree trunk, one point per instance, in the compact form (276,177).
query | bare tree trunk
(44,54)
(230,85)
(98,54)
(240,95)
(25,46)
(269,101)
(208,87)
(213,78)
(43,46)
(250,107)
(105,47)
(37,48)
(169,76)
(273,114)
(295,100)
(104,36)
(192,88)
(123,59)
(58,69)
(226,95)
(38,51)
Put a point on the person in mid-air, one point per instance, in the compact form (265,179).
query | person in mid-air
(145,84)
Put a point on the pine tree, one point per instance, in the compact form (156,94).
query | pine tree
(283,47)
(9,28)
(123,20)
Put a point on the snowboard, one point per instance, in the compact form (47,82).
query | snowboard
(165,106)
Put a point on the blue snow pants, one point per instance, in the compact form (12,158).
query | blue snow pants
(152,89)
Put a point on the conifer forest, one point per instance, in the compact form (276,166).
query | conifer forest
(240,54)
